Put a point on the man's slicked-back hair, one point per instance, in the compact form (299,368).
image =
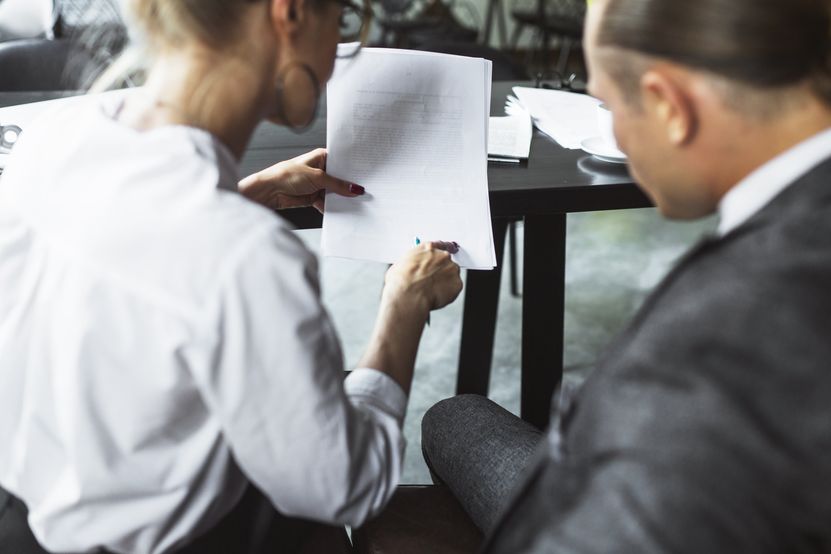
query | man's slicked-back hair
(761,43)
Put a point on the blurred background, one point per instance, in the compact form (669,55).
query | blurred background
(524,38)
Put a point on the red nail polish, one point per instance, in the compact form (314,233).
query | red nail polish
(356,189)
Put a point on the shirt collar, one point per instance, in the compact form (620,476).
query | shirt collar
(753,192)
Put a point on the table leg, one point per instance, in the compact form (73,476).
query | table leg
(479,321)
(543,305)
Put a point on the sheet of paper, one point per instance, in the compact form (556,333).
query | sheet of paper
(567,117)
(510,137)
(410,127)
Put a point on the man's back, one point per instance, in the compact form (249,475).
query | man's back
(705,428)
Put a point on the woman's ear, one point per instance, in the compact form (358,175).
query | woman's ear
(288,15)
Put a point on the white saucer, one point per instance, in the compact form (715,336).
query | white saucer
(601,150)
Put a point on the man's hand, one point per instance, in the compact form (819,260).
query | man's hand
(296,183)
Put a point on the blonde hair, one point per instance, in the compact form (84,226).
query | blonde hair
(155,24)
(171,22)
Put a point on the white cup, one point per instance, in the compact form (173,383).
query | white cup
(606,125)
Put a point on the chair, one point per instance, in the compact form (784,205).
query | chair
(419,519)
(75,17)
(88,33)
(560,19)
(433,21)
(35,65)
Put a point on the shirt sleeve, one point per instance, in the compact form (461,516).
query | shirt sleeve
(318,446)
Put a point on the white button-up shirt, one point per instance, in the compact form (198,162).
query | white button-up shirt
(163,343)
(762,185)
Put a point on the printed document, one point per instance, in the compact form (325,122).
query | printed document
(411,127)
(567,117)
(509,137)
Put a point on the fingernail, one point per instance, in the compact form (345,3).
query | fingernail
(356,189)
(455,247)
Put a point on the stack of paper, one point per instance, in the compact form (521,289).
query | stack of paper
(567,117)
(509,138)
(410,127)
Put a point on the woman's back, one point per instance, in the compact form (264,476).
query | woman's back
(115,245)
(163,345)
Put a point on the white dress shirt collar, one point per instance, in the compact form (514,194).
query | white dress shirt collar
(753,192)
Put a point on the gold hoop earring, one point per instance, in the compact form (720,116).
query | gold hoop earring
(282,113)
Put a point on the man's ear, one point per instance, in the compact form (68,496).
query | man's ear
(666,98)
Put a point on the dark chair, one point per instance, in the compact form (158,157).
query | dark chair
(405,24)
(419,519)
(552,19)
(75,17)
(36,64)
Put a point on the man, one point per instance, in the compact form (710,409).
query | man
(706,426)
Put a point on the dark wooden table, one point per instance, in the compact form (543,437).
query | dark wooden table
(553,183)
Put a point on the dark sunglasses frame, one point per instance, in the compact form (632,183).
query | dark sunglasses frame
(556,81)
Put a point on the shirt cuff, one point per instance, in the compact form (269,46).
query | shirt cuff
(378,389)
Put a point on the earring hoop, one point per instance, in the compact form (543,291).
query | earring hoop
(282,113)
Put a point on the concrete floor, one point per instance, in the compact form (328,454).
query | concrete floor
(613,260)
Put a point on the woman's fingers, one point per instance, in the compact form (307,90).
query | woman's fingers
(316,158)
(338,186)
(297,182)
(447,246)
(430,271)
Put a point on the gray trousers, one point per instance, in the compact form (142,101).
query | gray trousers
(480,451)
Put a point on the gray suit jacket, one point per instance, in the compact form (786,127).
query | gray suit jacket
(706,427)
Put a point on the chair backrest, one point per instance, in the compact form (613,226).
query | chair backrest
(75,17)
(395,8)
(36,64)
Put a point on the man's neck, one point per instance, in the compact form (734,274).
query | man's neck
(751,143)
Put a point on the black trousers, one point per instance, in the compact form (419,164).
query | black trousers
(252,527)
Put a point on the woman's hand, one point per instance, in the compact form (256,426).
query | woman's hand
(426,276)
(296,183)
(425,279)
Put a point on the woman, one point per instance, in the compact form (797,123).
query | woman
(162,341)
